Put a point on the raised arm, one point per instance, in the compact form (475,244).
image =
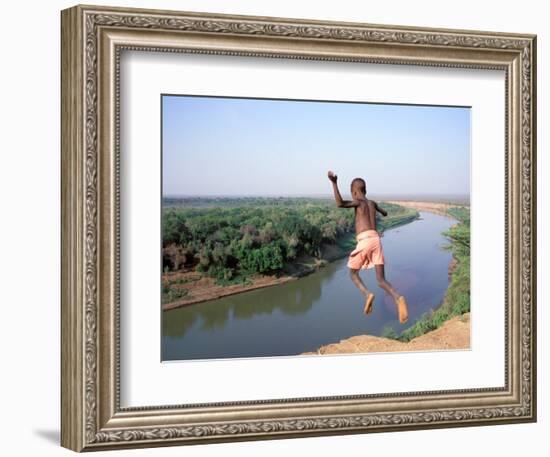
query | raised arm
(382,211)
(340,202)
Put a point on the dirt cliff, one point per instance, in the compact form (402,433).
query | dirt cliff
(453,334)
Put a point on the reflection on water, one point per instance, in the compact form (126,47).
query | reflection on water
(318,309)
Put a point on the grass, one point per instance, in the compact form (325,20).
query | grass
(179,281)
(398,219)
(457,298)
(171,294)
(237,279)
(390,333)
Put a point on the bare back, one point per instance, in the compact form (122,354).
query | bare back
(365,216)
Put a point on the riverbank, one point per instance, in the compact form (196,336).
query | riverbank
(453,334)
(200,288)
(203,288)
(195,287)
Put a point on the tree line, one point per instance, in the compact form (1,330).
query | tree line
(226,242)
(232,242)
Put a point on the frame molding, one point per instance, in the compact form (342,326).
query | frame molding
(92,39)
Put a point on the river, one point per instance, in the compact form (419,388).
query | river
(318,309)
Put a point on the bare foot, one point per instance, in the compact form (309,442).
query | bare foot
(368,303)
(402,309)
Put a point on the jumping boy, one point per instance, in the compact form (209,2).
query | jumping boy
(368,252)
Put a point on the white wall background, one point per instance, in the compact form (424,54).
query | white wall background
(29,241)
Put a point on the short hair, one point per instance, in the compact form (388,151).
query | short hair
(360,184)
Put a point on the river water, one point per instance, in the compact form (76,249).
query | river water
(318,309)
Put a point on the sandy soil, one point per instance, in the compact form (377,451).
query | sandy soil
(203,288)
(453,334)
(433,207)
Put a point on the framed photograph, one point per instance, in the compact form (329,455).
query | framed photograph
(276,228)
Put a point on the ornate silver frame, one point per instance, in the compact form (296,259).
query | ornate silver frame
(92,40)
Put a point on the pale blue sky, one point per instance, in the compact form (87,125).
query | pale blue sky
(227,146)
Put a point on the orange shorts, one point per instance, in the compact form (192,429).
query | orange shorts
(368,251)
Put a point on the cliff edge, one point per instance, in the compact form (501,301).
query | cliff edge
(453,334)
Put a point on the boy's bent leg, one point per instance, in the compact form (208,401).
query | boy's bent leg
(369,296)
(383,283)
(399,299)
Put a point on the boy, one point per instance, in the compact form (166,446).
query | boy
(368,253)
